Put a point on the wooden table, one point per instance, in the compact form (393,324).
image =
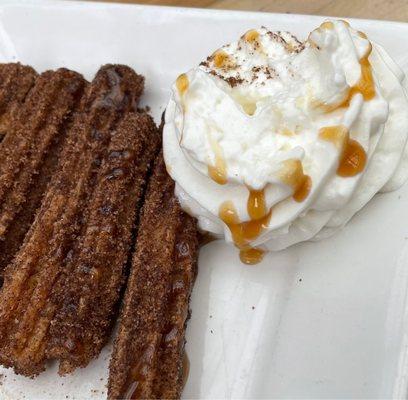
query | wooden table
(396,10)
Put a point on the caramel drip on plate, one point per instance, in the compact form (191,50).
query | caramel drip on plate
(251,256)
(353,157)
(359,33)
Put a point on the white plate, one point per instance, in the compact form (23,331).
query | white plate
(320,320)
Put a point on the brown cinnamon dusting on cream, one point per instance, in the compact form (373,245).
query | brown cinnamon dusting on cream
(226,66)
(278,37)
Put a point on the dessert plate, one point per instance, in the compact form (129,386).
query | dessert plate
(318,320)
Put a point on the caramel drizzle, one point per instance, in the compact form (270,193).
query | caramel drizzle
(352,162)
(256,205)
(327,25)
(353,157)
(251,255)
(365,85)
(138,375)
(222,60)
(182,84)
(251,36)
(243,233)
(218,171)
(292,174)
(303,190)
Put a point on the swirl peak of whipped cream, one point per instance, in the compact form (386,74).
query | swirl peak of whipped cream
(272,141)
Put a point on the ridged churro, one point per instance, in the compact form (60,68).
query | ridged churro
(95,273)
(149,347)
(29,152)
(29,299)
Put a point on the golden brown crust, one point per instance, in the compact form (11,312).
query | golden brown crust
(73,171)
(148,349)
(92,281)
(30,151)
(27,301)
(20,224)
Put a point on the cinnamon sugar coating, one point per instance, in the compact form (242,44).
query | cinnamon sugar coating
(148,350)
(77,244)
(36,121)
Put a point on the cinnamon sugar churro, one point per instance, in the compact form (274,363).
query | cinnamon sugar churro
(75,162)
(35,131)
(94,275)
(148,351)
(46,287)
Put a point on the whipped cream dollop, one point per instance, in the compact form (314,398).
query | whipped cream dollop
(273,141)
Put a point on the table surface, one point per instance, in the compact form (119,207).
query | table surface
(396,10)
